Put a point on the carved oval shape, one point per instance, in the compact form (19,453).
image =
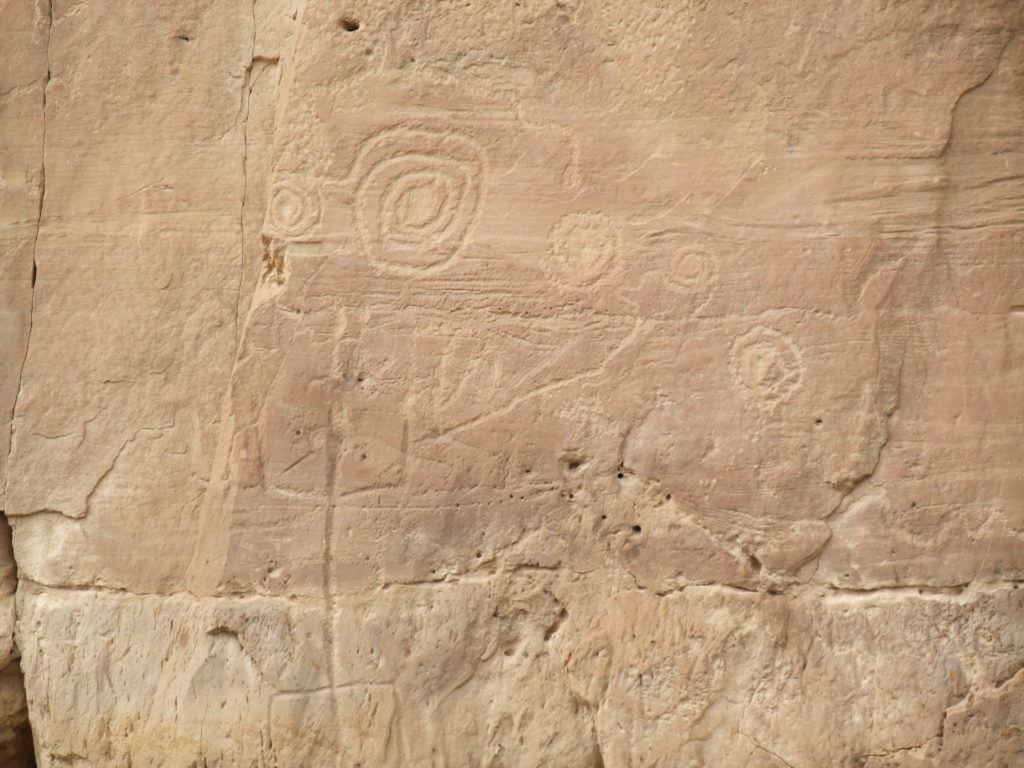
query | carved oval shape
(585,245)
(418,194)
(766,365)
(293,209)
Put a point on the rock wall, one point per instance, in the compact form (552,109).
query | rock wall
(577,383)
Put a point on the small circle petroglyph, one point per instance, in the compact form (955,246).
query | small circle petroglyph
(693,270)
(418,194)
(293,209)
(584,245)
(766,365)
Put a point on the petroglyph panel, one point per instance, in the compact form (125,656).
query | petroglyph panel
(513,349)
(552,383)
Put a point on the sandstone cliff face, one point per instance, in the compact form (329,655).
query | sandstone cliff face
(574,383)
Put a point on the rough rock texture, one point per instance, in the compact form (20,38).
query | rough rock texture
(23,74)
(578,383)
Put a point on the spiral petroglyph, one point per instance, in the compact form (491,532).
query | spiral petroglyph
(766,365)
(418,193)
(683,265)
(293,209)
(693,270)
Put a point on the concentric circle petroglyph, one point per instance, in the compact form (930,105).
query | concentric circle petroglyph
(766,365)
(293,209)
(693,271)
(682,263)
(585,245)
(418,194)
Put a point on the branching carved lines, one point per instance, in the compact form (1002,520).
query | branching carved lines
(767,366)
(418,195)
(585,245)
(293,209)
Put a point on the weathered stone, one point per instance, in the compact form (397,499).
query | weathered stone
(586,384)
(23,78)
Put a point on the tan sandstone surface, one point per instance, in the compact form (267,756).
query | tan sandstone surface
(472,384)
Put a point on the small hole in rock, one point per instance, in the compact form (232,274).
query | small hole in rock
(637,529)
(604,517)
(913,505)
(348,24)
(620,475)
(574,465)
(818,422)
(755,563)
(668,497)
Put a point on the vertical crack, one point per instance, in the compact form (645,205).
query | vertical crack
(16,740)
(35,239)
(16,748)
